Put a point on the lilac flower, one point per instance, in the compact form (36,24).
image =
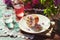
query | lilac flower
(35,1)
(8,3)
(28,5)
(56,2)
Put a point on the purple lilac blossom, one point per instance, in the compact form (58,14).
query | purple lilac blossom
(8,2)
(35,2)
(56,2)
(28,6)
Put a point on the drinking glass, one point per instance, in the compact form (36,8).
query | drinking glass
(19,11)
(8,18)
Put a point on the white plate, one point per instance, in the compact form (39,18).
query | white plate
(42,19)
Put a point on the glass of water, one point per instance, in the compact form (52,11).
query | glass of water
(8,18)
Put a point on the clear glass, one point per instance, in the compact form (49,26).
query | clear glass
(19,11)
(8,18)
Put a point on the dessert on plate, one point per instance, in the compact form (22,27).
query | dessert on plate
(32,22)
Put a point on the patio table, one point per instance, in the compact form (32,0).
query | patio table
(5,33)
(16,32)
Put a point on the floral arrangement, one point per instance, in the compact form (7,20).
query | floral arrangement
(31,4)
(49,6)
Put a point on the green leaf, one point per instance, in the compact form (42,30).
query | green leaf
(42,1)
(47,11)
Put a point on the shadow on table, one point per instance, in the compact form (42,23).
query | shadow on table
(41,36)
(57,27)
